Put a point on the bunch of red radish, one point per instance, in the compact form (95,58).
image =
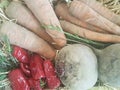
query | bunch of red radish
(33,72)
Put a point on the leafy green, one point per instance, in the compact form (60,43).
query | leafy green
(76,39)
(2,77)
(7,61)
(51,27)
(4,4)
(42,83)
(4,83)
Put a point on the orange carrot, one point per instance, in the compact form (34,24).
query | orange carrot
(44,12)
(16,10)
(61,10)
(98,7)
(85,33)
(22,37)
(83,12)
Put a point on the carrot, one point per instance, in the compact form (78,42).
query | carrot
(85,33)
(44,12)
(22,37)
(61,10)
(83,12)
(98,7)
(16,10)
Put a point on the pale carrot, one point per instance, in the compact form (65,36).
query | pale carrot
(17,10)
(85,13)
(91,35)
(105,12)
(61,10)
(22,37)
(44,12)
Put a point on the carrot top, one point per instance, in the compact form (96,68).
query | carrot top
(51,27)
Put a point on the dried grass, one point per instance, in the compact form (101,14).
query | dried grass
(113,5)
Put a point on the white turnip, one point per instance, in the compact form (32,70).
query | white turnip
(109,65)
(77,67)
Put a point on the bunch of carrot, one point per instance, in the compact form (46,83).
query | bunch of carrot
(90,20)
(36,29)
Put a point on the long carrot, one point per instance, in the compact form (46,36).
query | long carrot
(16,10)
(85,33)
(83,12)
(44,12)
(61,10)
(22,37)
(98,7)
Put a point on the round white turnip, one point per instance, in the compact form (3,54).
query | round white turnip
(77,67)
(109,65)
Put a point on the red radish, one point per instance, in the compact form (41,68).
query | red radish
(18,80)
(52,80)
(25,69)
(49,68)
(20,54)
(34,84)
(36,67)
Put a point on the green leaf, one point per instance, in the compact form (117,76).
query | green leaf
(2,77)
(76,39)
(4,82)
(7,44)
(51,27)
(42,83)
(2,53)
(4,4)
(7,61)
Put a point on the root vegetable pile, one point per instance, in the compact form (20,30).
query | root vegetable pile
(38,35)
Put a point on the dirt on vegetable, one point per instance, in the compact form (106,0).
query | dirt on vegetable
(77,67)
(108,65)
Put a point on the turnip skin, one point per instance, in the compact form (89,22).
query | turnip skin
(109,65)
(77,67)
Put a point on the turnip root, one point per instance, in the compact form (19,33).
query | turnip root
(109,65)
(77,67)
